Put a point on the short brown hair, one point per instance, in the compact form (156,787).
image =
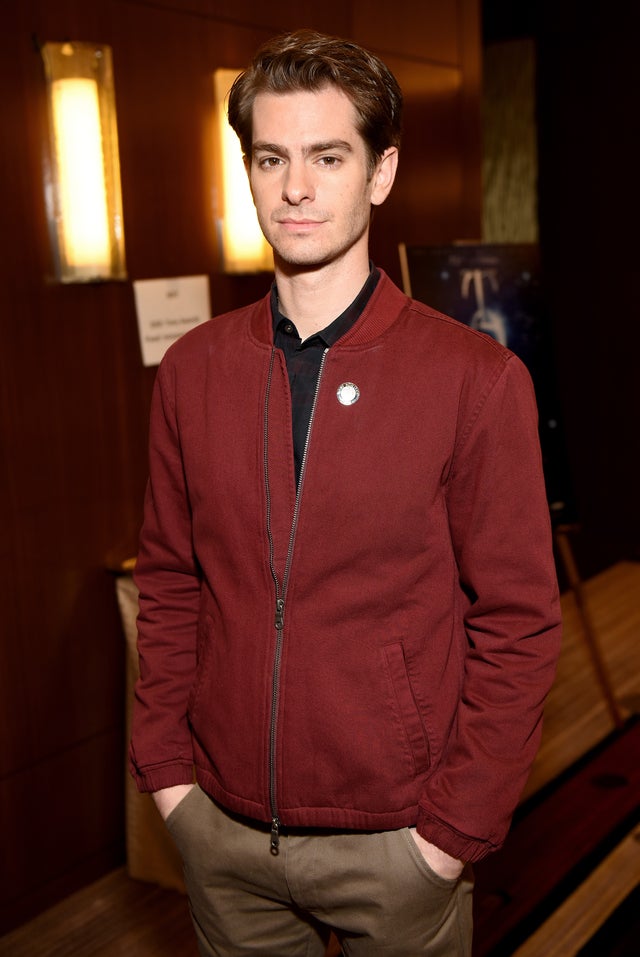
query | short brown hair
(306,60)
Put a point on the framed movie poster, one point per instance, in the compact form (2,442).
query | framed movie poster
(497,289)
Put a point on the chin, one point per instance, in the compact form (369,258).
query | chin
(301,260)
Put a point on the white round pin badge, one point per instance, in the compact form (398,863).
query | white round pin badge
(348,393)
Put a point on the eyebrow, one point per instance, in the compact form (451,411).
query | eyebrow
(312,149)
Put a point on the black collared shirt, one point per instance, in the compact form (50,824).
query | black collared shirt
(303,358)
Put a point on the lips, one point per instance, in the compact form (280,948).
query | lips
(286,216)
(299,222)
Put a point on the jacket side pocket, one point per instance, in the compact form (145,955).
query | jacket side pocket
(205,629)
(407,707)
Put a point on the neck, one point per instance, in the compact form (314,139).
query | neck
(312,299)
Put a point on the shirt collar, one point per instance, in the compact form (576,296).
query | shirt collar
(337,328)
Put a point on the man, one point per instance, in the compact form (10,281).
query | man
(349,615)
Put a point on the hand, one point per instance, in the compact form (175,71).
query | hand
(444,866)
(168,798)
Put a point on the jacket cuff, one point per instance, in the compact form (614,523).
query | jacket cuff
(165,776)
(452,842)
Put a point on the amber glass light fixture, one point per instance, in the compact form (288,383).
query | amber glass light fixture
(82,182)
(244,248)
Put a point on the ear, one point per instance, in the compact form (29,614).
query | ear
(384,175)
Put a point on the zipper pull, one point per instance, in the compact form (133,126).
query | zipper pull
(279,622)
(275,836)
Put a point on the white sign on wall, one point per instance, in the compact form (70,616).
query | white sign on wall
(166,309)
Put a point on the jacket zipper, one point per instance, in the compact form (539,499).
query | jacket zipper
(281,588)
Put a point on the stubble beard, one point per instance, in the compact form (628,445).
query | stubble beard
(304,253)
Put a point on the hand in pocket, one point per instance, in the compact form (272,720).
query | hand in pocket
(441,863)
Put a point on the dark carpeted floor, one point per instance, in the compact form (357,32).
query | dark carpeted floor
(557,839)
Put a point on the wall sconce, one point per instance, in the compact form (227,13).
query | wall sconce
(84,203)
(244,248)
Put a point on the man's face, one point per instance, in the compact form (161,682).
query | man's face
(309,177)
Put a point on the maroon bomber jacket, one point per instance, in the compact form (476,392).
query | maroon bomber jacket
(373,652)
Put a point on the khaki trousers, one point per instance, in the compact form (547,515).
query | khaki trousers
(374,890)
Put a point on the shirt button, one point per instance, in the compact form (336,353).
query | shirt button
(288,328)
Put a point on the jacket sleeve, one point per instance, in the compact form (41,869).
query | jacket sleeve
(167,578)
(501,535)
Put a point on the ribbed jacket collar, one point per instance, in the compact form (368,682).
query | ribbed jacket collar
(379,314)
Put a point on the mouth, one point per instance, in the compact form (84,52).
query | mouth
(299,223)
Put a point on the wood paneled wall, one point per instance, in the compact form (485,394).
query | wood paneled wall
(74,393)
(588,155)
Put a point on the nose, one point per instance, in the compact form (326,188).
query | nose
(297,184)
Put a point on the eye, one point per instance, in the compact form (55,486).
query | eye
(269,162)
(329,161)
